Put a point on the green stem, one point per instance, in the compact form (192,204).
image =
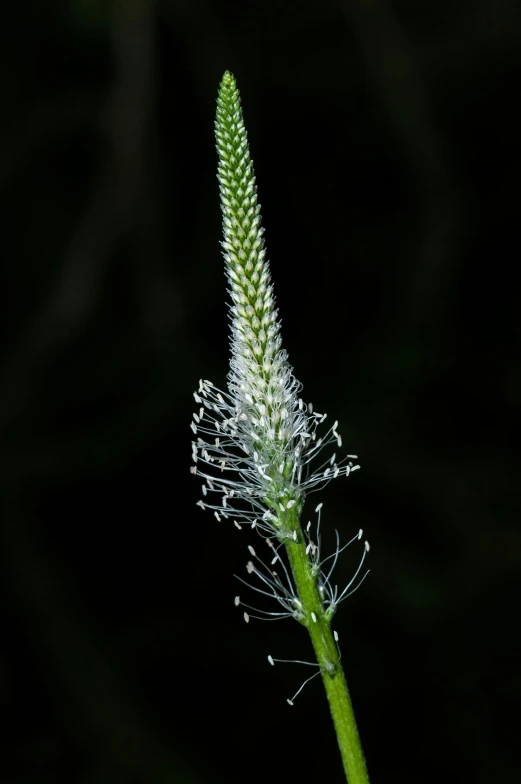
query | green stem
(327,657)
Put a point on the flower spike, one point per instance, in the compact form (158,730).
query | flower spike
(257,446)
(257,443)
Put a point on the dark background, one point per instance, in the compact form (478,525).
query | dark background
(385,138)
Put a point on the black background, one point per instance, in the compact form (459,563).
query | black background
(385,138)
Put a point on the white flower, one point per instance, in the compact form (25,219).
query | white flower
(257,446)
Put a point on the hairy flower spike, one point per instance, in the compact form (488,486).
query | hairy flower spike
(258,442)
(257,446)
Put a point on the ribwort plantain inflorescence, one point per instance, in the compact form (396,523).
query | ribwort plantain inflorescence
(258,447)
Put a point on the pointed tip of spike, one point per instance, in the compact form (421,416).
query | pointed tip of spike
(228,79)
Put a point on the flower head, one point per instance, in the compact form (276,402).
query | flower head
(257,444)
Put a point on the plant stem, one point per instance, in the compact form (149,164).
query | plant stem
(327,657)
